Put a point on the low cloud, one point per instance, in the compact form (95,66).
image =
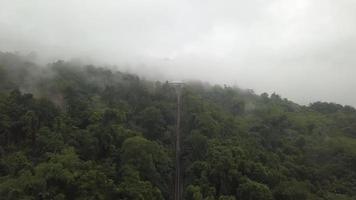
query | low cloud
(301,49)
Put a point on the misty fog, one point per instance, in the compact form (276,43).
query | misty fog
(301,49)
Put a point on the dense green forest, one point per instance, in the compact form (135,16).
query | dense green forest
(69,131)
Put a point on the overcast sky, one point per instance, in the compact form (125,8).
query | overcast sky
(304,50)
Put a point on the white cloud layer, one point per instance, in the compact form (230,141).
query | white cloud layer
(302,49)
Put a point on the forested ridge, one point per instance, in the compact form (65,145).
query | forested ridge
(71,131)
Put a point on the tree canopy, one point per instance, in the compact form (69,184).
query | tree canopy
(69,131)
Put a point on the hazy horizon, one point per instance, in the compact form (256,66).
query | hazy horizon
(301,49)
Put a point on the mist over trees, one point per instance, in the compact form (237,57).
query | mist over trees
(86,132)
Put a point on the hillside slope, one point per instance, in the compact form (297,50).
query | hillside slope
(85,132)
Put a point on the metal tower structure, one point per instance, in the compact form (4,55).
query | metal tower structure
(177,179)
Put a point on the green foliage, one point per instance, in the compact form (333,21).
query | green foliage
(132,187)
(196,146)
(254,191)
(291,190)
(85,132)
(63,176)
(152,121)
(193,193)
(149,159)
(13,163)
